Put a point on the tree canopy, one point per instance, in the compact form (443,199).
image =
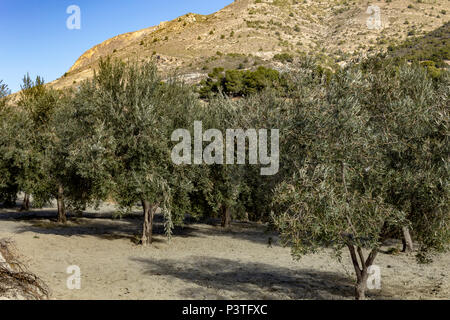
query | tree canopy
(374,157)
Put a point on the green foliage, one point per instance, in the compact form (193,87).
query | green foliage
(242,188)
(364,150)
(38,101)
(373,156)
(12,157)
(23,142)
(267,110)
(80,152)
(241,82)
(283,57)
(434,46)
(137,114)
(219,186)
(37,104)
(433,71)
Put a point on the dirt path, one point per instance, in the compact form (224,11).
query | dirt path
(201,262)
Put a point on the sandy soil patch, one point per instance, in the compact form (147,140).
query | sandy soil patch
(202,261)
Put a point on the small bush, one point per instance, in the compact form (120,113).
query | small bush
(241,82)
(284,57)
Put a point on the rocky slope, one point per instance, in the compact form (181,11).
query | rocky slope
(251,32)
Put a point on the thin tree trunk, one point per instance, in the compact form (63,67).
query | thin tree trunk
(361,271)
(61,205)
(147,228)
(26,203)
(407,240)
(361,286)
(226,216)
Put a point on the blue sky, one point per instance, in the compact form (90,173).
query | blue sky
(34,37)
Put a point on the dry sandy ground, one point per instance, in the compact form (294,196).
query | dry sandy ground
(200,262)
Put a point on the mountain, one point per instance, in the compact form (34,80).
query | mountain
(267,32)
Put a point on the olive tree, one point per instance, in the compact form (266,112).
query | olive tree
(268,110)
(234,185)
(223,177)
(38,103)
(12,126)
(138,113)
(80,152)
(24,141)
(373,156)
(14,153)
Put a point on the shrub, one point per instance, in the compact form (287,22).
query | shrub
(241,83)
(284,57)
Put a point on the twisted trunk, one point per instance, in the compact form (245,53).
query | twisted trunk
(361,269)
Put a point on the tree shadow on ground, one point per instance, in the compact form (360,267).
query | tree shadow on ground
(241,230)
(102,228)
(107,225)
(128,227)
(219,278)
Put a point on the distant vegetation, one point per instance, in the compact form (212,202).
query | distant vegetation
(435,47)
(241,82)
(284,57)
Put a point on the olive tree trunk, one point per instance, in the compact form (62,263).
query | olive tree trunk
(226,216)
(361,266)
(26,203)
(62,218)
(407,240)
(147,228)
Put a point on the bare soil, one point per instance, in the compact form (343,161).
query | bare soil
(201,261)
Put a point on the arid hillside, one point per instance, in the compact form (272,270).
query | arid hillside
(252,32)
